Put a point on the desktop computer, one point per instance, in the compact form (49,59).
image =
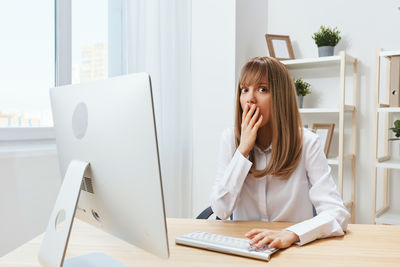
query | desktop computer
(108,154)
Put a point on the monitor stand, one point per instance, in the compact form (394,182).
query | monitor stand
(55,242)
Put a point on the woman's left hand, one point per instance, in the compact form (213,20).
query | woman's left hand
(276,239)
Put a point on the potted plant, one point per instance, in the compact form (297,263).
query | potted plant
(396,130)
(326,39)
(302,89)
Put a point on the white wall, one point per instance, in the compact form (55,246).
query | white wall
(251,27)
(29,184)
(213,71)
(225,34)
(365,26)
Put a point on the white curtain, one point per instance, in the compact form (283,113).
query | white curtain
(158,42)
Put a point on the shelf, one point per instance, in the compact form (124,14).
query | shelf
(389,217)
(315,62)
(389,109)
(335,161)
(389,53)
(389,164)
(326,110)
(319,110)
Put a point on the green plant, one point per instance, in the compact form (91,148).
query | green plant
(396,130)
(327,36)
(302,87)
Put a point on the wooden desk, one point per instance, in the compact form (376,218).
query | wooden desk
(363,245)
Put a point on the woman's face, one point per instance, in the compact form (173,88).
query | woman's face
(259,95)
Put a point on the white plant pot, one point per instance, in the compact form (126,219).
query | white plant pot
(300,100)
(325,51)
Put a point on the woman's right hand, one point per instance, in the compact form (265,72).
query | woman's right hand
(251,121)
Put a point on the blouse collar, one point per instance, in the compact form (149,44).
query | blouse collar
(268,149)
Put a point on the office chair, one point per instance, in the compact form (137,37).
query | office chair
(205,214)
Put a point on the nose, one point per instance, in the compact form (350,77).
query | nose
(251,98)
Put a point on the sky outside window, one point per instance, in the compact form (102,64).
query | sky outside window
(27,60)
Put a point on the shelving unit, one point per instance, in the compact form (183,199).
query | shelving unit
(327,110)
(384,215)
(318,62)
(388,217)
(341,60)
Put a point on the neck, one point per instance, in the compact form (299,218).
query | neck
(264,136)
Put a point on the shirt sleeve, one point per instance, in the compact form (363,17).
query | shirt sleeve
(232,170)
(332,217)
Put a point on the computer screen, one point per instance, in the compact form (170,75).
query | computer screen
(110,125)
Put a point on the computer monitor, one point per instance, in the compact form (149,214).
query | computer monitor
(108,154)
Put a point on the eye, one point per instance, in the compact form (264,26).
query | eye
(244,90)
(263,89)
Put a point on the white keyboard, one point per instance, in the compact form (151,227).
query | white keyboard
(225,244)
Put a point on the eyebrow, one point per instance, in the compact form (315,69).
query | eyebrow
(258,84)
(262,84)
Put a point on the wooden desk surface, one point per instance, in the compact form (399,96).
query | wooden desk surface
(363,245)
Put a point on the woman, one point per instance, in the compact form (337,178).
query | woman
(271,169)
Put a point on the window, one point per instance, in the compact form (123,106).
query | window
(53,42)
(89,40)
(26,63)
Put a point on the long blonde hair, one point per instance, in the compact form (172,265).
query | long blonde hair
(286,122)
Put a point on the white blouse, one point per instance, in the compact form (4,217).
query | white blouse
(272,199)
